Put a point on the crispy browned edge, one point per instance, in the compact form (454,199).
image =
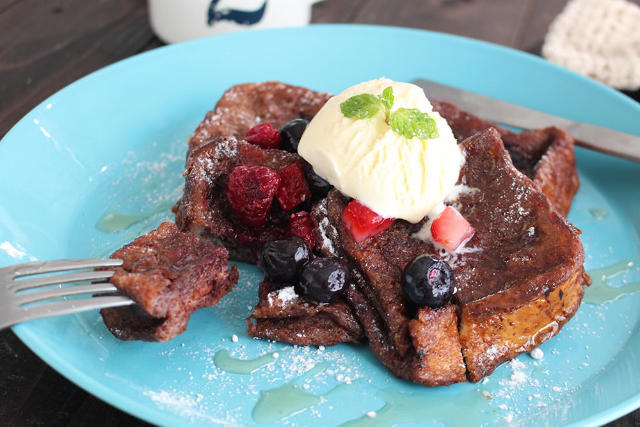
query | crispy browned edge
(234,115)
(491,338)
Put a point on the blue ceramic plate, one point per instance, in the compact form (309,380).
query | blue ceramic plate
(114,143)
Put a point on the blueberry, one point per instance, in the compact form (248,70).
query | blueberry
(323,278)
(290,134)
(318,185)
(282,260)
(429,281)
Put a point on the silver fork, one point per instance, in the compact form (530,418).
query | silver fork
(18,295)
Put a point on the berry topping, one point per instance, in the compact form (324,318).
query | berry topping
(362,222)
(428,280)
(300,225)
(282,260)
(323,278)
(451,230)
(293,188)
(291,132)
(250,192)
(264,135)
(319,186)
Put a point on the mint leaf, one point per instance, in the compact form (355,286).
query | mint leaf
(387,99)
(361,106)
(408,122)
(411,122)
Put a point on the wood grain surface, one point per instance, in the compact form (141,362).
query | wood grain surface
(45,45)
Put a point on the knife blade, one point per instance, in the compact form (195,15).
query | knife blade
(590,136)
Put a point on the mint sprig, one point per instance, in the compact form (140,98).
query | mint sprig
(408,122)
(363,106)
(411,122)
(387,98)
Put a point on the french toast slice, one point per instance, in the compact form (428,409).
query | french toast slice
(546,155)
(217,146)
(282,315)
(245,105)
(170,275)
(520,279)
(204,208)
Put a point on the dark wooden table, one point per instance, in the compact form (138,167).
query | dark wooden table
(45,45)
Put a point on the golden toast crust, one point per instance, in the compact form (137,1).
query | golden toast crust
(489,339)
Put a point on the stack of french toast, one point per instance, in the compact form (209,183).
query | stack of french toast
(519,281)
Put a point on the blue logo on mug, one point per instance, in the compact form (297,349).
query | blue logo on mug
(242,17)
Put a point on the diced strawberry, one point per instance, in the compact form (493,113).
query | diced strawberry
(300,225)
(451,230)
(293,188)
(264,135)
(362,222)
(250,192)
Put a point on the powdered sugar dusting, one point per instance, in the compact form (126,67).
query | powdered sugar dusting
(518,376)
(325,228)
(458,190)
(186,405)
(226,148)
(424,233)
(284,295)
(326,242)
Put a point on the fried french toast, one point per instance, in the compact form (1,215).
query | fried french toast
(546,155)
(516,285)
(170,275)
(524,259)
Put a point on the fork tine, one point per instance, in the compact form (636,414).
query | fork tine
(40,267)
(38,282)
(30,297)
(73,306)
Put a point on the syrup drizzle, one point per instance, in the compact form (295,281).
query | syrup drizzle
(598,213)
(289,399)
(224,361)
(600,292)
(466,409)
(115,222)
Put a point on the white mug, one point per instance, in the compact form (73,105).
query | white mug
(178,20)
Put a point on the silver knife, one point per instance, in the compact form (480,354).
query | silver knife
(594,137)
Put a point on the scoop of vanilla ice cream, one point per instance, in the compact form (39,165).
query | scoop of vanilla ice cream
(395,176)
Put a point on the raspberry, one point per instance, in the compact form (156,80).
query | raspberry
(264,135)
(293,188)
(362,222)
(300,225)
(250,192)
